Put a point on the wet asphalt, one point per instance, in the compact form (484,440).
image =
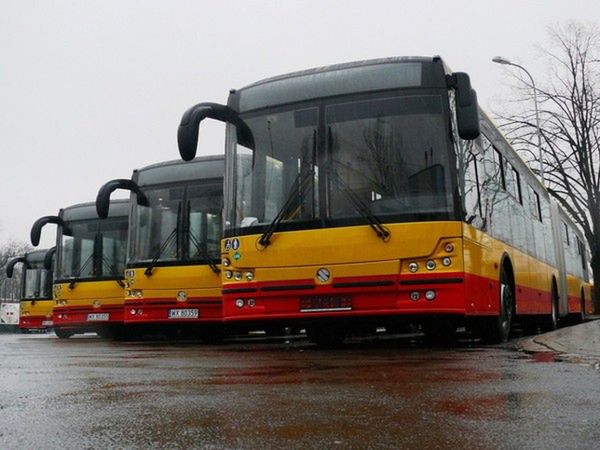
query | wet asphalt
(90,393)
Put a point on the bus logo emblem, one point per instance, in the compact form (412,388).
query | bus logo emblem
(323,275)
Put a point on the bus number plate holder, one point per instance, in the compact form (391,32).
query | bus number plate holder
(325,303)
(97,316)
(191,313)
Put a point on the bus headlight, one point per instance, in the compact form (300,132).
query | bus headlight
(237,276)
(413,267)
(226,262)
(228,274)
(249,276)
(430,264)
(446,261)
(239,302)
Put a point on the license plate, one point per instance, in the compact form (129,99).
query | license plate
(97,316)
(183,314)
(324,303)
(47,323)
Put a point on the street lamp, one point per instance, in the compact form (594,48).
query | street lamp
(501,60)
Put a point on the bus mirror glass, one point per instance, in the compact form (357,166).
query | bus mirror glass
(468,118)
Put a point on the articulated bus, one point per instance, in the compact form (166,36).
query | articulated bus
(90,256)
(172,273)
(376,193)
(36,289)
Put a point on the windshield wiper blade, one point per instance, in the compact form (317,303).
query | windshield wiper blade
(374,222)
(163,247)
(80,270)
(202,251)
(298,187)
(160,251)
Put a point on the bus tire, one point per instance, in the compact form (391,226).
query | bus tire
(550,323)
(499,327)
(63,334)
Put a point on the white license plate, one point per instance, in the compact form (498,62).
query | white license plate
(183,314)
(97,316)
(47,323)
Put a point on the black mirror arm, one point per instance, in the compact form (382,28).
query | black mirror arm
(187,133)
(103,197)
(10,266)
(48,258)
(36,229)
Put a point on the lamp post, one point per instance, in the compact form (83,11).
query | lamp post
(501,60)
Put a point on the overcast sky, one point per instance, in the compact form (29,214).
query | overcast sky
(90,90)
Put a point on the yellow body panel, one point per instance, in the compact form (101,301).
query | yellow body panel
(89,293)
(36,308)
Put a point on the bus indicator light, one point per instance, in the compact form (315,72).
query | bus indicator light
(446,261)
(449,247)
(430,264)
(413,267)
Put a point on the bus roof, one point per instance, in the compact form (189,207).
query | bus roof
(339,79)
(200,168)
(87,211)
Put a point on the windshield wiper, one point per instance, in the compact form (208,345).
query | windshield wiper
(106,263)
(202,251)
(160,251)
(298,188)
(374,222)
(80,270)
(163,247)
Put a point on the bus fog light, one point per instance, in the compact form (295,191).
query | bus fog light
(237,276)
(449,247)
(226,262)
(430,295)
(414,296)
(239,302)
(249,276)
(251,303)
(413,267)
(132,312)
(446,261)
(430,264)
(228,274)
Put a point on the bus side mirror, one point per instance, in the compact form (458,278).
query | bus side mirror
(10,266)
(467,109)
(103,197)
(187,133)
(36,229)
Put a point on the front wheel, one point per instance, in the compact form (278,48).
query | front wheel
(498,329)
(550,323)
(63,334)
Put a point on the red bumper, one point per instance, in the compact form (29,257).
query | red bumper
(87,316)
(34,323)
(153,311)
(348,297)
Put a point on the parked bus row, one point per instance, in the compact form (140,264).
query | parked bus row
(349,198)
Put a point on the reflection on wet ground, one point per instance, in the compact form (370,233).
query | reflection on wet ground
(379,393)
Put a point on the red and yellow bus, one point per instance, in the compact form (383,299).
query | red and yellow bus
(36,289)
(90,256)
(376,193)
(172,272)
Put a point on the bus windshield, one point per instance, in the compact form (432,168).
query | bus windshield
(94,249)
(181,223)
(390,154)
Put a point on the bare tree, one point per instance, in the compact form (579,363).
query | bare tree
(569,103)
(10,250)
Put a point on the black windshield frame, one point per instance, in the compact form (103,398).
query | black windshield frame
(210,188)
(232,228)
